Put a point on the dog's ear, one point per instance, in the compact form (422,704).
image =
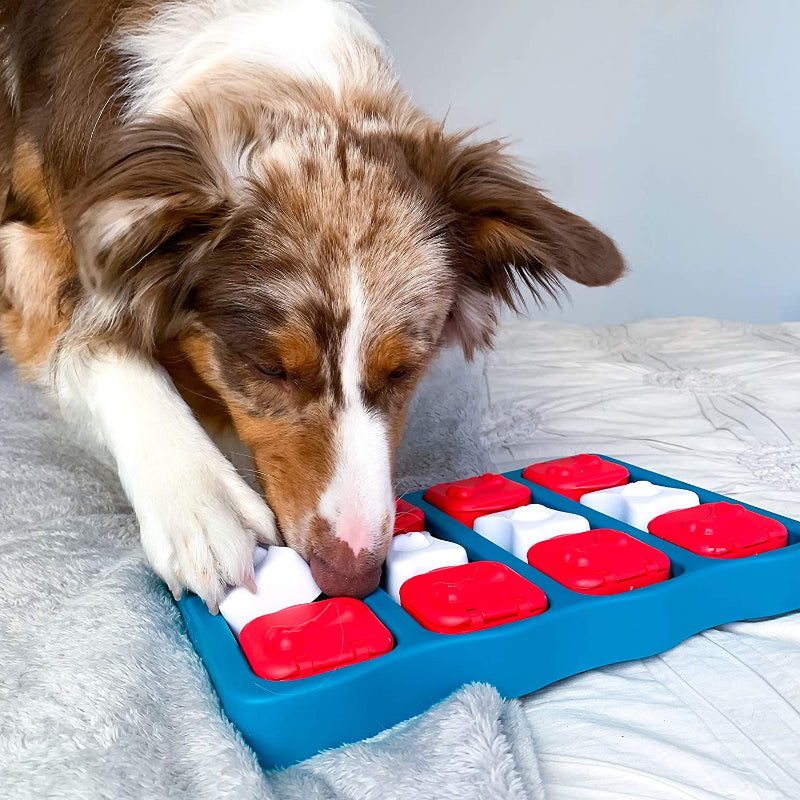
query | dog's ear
(154,201)
(506,236)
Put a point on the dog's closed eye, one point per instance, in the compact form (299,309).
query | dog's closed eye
(275,372)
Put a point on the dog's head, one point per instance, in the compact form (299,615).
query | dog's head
(311,268)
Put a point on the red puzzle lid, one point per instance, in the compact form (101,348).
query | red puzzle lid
(720,530)
(468,499)
(600,561)
(576,475)
(469,597)
(309,638)
(407,518)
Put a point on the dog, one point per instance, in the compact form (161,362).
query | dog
(225,218)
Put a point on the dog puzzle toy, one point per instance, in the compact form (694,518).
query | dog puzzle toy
(572,564)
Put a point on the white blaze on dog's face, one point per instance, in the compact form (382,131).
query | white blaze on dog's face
(310,292)
(357,506)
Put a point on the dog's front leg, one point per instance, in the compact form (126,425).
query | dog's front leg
(199,520)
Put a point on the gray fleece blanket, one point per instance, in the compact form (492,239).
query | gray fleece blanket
(101,692)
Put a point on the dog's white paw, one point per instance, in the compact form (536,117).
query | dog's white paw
(199,520)
(200,523)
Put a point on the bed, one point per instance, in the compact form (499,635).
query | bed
(101,694)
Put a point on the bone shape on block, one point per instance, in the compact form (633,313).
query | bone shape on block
(639,503)
(519,529)
(416,553)
(282,579)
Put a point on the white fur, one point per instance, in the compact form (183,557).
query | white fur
(359,498)
(187,40)
(199,520)
(106,223)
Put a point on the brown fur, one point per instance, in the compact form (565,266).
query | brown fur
(292,450)
(37,264)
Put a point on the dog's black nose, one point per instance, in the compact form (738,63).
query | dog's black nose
(341,573)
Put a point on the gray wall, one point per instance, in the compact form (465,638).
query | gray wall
(672,124)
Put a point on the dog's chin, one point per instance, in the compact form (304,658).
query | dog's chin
(335,583)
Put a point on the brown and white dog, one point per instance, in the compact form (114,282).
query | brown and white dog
(226,215)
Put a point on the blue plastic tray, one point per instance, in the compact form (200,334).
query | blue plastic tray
(288,721)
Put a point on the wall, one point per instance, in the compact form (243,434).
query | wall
(673,125)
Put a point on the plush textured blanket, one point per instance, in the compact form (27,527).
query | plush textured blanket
(101,694)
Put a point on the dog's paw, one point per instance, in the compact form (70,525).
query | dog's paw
(200,523)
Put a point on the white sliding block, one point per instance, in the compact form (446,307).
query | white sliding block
(518,529)
(416,553)
(640,502)
(282,578)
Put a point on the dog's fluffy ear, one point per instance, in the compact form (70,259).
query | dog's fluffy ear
(506,236)
(153,202)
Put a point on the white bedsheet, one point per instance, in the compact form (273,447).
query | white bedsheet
(714,403)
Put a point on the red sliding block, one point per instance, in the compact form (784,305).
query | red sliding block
(407,518)
(471,498)
(310,638)
(600,561)
(575,476)
(470,597)
(720,530)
